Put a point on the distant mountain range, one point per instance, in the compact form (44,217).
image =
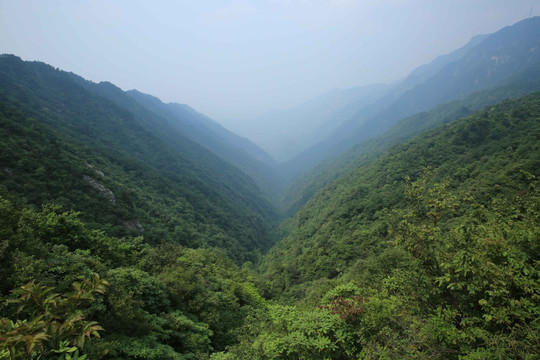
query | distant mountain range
(485,61)
(307,185)
(410,230)
(286,133)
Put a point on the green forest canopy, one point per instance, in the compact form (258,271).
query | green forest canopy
(429,251)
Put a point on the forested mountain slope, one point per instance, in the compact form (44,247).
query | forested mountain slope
(430,251)
(236,150)
(312,181)
(110,218)
(172,122)
(163,301)
(184,117)
(170,186)
(484,154)
(492,59)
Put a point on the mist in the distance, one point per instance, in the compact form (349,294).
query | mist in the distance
(237,60)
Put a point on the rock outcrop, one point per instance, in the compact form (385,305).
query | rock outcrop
(100,188)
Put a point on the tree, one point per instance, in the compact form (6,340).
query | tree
(51,323)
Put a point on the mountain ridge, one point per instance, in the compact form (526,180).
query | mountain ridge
(307,185)
(127,142)
(236,150)
(455,79)
(420,243)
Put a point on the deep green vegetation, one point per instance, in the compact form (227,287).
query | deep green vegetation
(122,238)
(444,265)
(65,145)
(301,190)
(90,185)
(455,279)
(161,302)
(483,154)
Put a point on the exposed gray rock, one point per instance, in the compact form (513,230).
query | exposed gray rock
(8,171)
(100,187)
(133,226)
(96,171)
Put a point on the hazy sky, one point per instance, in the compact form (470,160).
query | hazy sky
(240,58)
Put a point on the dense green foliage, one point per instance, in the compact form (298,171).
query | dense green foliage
(56,321)
(120,238)
(66,145)
(91,184)
(443,266)
(161,301)
(484,153)
(456,279)
(306,186)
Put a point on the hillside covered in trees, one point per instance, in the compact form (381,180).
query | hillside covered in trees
(125,170)
(430,250)
(135,229)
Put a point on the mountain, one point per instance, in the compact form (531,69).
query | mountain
(434,242)
(130,228)
(307,185)
(124,168)
(112,219)
(483,62)
(109,215)
(430,251)
(96,234)
(484,154)
(285,133)
(425,72)
(236,150)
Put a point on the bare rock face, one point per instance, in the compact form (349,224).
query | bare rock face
(134,226)
(8,171)
(96,171)
(100,188)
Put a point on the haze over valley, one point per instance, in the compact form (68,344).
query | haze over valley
(270,180)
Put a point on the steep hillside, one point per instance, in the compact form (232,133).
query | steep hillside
(159,280)
(312,181)
(111,218)
(173,122)
(483,154)
(392,260)
(238,151)
(485,62)
(427,249)
(429,252)
(173,188)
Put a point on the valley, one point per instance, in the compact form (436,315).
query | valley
(400,222)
